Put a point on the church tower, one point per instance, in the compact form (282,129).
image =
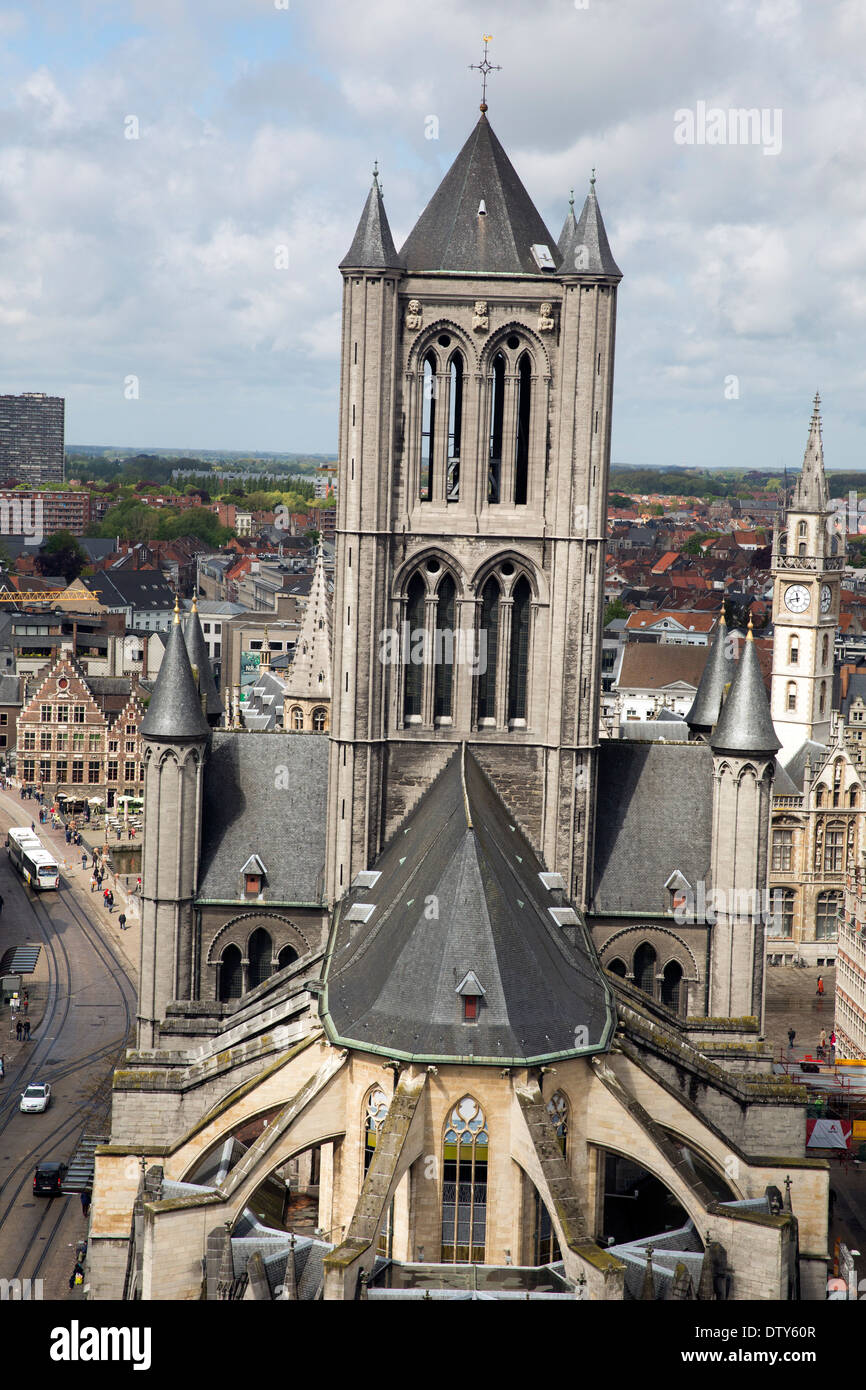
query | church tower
(807,572)
(174,733)
(476,390)
(307,696)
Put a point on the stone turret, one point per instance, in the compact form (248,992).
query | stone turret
(202,669)
(175,736)
(307,699)
(744,745)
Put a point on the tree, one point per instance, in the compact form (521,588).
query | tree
(61,554)
(615,609)
(692,546)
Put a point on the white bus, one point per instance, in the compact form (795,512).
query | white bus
(36,865)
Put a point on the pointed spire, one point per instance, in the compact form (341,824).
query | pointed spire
(310,674)
(175,710)
(373,245)
(718,672)
(569,230)
(200,661)
(583,245)
(810,492)
(745,724)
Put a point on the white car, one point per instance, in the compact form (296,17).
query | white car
(35,1098)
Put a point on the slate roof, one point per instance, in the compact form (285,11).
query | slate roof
(795,767)
(810,489)
(175,712)
(654,815)
(450,235)
(372,245)
(245,813)
(745,724)
(583,245)
(718,672)
(392,974)
(10,690)
(144,590)
(198,657)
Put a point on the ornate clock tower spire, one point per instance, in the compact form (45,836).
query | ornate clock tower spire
(807,568)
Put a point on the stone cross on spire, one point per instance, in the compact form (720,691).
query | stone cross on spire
(485,67)
(810,492)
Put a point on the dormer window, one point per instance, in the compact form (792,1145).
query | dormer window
(471,991)
(253,874)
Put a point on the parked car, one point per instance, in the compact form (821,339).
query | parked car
(48,1179)
(35,1098)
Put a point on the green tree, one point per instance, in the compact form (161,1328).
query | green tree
(614,609)
(61,554)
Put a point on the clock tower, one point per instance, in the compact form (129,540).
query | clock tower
(808,561)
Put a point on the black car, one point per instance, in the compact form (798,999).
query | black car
(48,1179)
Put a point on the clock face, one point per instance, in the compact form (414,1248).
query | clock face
(797,598)
(826,598)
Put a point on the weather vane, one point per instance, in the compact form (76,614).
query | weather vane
(484,67)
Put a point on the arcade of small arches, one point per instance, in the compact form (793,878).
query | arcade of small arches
(248,951)
(307,720)
(641,964)
(500,405)
(439,651)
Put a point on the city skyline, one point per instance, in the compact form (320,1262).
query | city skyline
(177,189)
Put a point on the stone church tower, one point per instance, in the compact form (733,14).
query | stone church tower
(476,389)
(807,572)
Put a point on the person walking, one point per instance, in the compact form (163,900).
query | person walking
(791,1036)
(110,901)
(122,921)
(26,1030)
(819,990)
(25,1001)
(84,861)
(18,1029)
(93,882)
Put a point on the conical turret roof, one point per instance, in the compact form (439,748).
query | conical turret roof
(480,220)
(583,245)
(718,672)
(373,245)
(200,661)
(310,675)
(810,491)
(745,724)
(396,974)
(175,712)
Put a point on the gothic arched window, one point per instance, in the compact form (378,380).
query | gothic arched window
(231,977)
(288,955)
(518,663)
(455,427)
(464,1184)
(792,695)
(618,967)
(260,952)
(825,649)
(320,720)
(429,387)
(297,718)
(794,654)
(827,916)
(834,849)
(524,412)
(672,977)
(645,968)
(488,650)
(413,657)
(822,697)
(443,649)
(497,416)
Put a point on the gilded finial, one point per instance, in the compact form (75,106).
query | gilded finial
(194,602)
(750,634)
(177,610)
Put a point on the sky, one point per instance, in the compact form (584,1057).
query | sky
(180,178)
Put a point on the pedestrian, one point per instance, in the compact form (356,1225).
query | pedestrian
(93,883)
(833,1039)
(85,1201)
(18,1029)
(820,987)
(25,1001)
(84,861)
(119,834)
(33,826)
(77,1276)
(122,921)
(26,1030)
(791,1036)
(110,901)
